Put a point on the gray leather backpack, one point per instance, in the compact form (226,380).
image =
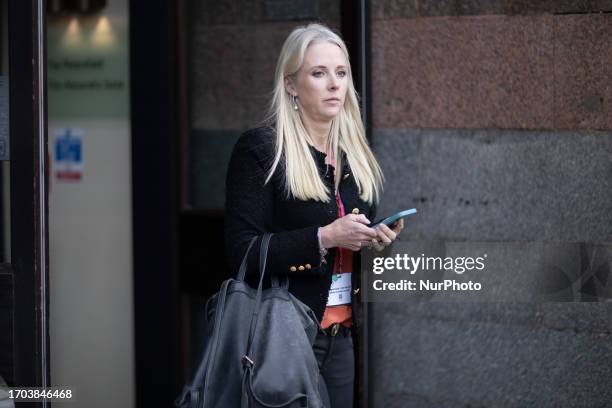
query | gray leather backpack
(258,347)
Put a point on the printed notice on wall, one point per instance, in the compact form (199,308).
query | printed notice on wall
(87,63)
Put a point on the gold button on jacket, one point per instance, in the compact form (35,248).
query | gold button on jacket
(355,210)
(301,268)
(293,269)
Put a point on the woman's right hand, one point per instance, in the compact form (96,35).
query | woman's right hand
(348,232)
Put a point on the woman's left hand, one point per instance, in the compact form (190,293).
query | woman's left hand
(387,235)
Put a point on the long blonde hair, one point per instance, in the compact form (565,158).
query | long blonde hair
(347,132)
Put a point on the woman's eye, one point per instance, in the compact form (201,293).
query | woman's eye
(317,74)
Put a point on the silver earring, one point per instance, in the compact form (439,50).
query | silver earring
(295,105)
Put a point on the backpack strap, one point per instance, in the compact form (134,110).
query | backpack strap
(263,253)
(243,266)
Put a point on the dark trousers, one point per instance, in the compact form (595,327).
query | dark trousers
(337,367)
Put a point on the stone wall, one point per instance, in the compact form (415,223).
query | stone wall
(493,118)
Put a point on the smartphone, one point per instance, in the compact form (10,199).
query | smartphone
(393,218)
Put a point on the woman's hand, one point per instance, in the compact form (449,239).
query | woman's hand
(386,235)
(350,232)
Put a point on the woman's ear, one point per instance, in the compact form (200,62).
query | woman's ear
(289,86)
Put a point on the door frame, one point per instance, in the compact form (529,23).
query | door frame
(29,193)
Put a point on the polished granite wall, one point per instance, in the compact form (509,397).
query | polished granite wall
(493,119)
(535,71)
(500,186)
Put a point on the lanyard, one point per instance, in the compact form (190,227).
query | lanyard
(340,206)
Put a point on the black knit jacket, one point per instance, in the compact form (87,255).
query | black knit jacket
(252,208)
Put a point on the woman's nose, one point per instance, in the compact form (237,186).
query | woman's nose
(333,83)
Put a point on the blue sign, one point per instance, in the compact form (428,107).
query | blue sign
(68,148)
(68,161)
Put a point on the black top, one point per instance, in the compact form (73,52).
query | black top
(252,209)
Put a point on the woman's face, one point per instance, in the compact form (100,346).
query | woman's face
(321,82)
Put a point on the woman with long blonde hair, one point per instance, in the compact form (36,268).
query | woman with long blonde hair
(308,175)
